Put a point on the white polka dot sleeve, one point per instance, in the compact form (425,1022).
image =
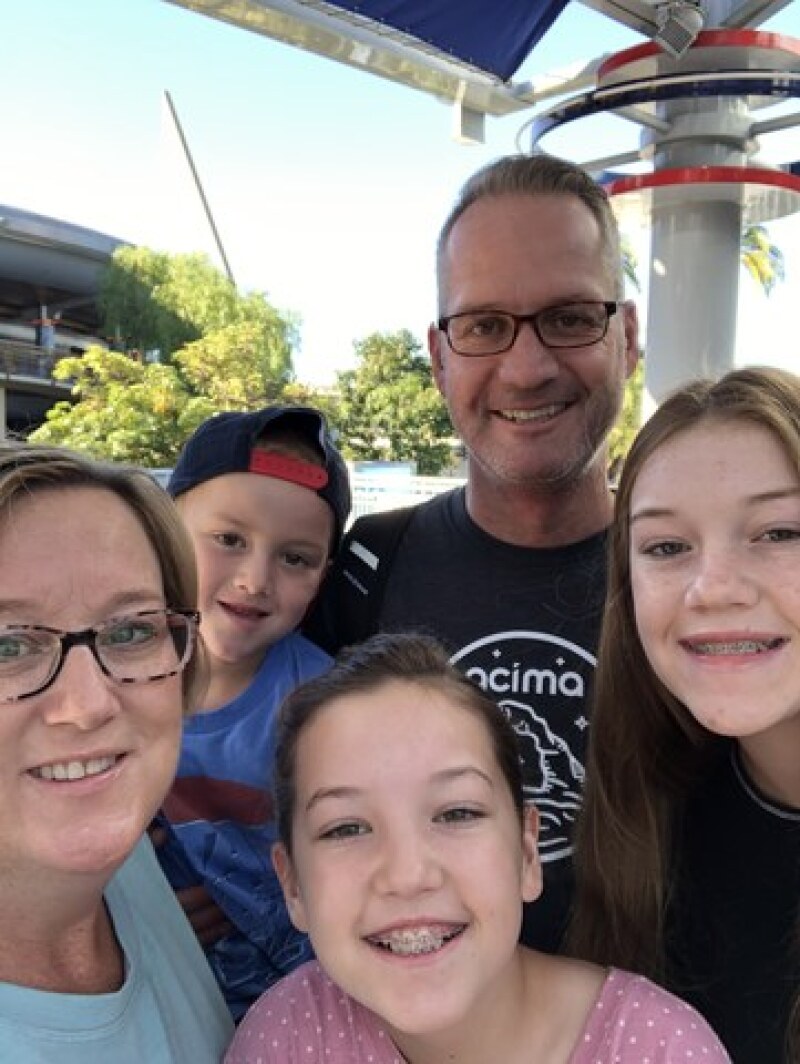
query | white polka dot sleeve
(636,1022)
(304,1019)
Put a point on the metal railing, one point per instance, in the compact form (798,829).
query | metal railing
(27,360)
(373,494)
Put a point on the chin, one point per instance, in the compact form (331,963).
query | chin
(99,850)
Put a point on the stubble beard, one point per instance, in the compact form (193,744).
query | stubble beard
(570,469)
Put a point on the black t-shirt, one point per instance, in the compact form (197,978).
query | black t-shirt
(522,622)
(732,929)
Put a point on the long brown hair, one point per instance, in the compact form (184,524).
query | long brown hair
(646,750)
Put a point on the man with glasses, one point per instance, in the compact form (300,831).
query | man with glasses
(531,352)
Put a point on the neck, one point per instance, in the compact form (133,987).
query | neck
(535,515)
(57,935)
(227,681)
(772,763)
(534,1011)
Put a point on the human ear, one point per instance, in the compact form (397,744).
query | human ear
(435,351)
(531,871)
(284,869)
(630,320)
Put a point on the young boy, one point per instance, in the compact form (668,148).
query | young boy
(265,497)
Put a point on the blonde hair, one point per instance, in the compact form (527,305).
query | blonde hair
(26,469)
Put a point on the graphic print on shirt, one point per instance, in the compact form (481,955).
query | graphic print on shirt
(541,683)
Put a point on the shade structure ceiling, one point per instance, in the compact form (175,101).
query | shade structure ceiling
(463,51)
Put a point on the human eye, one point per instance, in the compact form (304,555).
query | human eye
(665,548)
(296,561)
(130,633)
(486,326)
(480,326)
(780,534)
(16,645)
(573,318)
(459,814)
(229,540)
(348,829)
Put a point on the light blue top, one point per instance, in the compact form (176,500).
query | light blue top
(168,1011)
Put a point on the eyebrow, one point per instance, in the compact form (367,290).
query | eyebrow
(491,307)
(752,500)
(224,522)
(445,775)
(144,599)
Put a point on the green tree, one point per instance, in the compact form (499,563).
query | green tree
(390,408)
(765,264)
(125,410)
(630,264)
(220,351)
(629,420)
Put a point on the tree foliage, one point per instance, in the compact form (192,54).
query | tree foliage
(630,263)
(765,264)
(762,259)
(629,420)
(219,351)
(389,407)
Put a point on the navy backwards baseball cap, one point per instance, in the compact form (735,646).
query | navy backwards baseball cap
(227,443)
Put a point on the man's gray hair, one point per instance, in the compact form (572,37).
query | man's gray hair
(536,175)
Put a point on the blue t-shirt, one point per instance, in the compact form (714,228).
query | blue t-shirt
(221,825)
(168,1011)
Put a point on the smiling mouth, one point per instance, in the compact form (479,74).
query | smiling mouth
(542,413)
(74,770)
(735,646)
(415,941)
(250,613)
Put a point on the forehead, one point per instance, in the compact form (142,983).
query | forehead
(259,503)
(71,546)
(731,455)
(525,247)
(398,727)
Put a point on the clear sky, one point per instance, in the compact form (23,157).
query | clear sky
(328,185)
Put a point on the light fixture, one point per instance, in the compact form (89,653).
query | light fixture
(679,22)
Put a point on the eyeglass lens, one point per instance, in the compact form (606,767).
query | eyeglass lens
(489,332)
(134,649)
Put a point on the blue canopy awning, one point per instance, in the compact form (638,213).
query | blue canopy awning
(495,37)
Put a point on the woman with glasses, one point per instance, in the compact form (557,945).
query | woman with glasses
(97,664)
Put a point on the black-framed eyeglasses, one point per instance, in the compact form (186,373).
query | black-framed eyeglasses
(491,332)
(136,648)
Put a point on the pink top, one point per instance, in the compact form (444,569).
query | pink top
(306,1018)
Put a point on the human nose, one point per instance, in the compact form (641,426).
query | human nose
(408,865)
(254,573)
(720,579)
(528,361)
(81,695)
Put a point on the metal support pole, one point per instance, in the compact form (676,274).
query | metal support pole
(694,279)
(198,185)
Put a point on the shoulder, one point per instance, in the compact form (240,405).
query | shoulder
(638,1021)
(307,1017)
(310,657)
(289,661)
(140,869)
